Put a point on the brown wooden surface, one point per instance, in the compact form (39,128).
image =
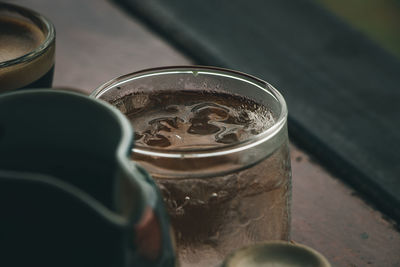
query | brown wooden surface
(96,41)
(331,217)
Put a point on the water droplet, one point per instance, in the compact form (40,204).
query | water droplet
(179,211)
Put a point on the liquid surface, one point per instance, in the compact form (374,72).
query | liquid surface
(17,38)
(193,119)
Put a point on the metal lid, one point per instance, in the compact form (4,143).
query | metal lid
(276,254)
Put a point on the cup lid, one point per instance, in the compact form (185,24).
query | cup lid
(276,254)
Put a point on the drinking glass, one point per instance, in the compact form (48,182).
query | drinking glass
(219,198)
(27,49)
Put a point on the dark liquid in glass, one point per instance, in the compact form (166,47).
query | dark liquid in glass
(43,82)
(212,216)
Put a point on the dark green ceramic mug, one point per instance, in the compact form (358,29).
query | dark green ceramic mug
(69,194)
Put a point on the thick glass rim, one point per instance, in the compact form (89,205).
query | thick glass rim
(227,149)
(30,14)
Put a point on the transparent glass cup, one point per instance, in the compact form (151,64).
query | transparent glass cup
(27,49)
(219,198)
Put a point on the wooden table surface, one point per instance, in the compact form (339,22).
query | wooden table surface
(97,41)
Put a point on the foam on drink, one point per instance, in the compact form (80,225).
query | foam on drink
(18,37)
(27,49)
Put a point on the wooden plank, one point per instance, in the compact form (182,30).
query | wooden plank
(342,90)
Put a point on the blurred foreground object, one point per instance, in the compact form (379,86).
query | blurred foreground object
(276,254)
(69,194)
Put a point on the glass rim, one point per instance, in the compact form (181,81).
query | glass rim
(41,49)
(226,149)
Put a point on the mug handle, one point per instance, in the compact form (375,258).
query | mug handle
(152,233)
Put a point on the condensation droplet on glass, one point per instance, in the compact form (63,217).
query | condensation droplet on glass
(179,211)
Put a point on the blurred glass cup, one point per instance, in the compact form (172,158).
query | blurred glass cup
(27,49)
(221,197)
